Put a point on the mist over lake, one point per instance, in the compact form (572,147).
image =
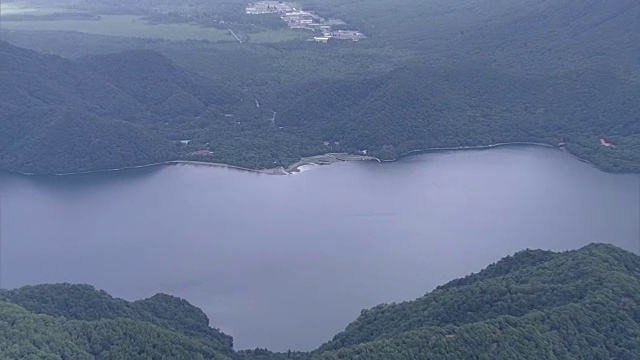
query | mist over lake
(285,262)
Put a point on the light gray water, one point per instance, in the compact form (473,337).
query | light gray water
(285,262)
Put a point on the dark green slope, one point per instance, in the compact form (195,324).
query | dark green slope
(57,139)
(30,79)
(483,72)
(560,35)
(525,35)
(129,109)
(101,112)
(575,305)
(432,73)
(153,80)
(27,335)
(57,118)
(83,302)
(419,107)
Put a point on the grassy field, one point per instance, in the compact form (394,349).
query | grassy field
(18,8)
(134,26)
(124,25)
(14,8)
(270,36)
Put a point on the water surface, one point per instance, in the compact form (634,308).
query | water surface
(285,262)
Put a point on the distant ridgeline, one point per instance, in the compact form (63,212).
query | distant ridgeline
(582,304)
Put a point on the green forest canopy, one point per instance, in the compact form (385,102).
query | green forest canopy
(581,304)
(430,74)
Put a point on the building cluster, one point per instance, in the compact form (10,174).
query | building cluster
(296,18)
(269,7)
(304,20)
(343,35)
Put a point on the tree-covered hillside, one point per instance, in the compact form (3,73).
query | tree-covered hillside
(533,36)
(419,107)
(77,322)
(101,112)
(582,304)
(130,108)
(577,305)
(430,74)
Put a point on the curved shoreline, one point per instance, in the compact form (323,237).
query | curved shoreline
(476,147)
(497,145)
(323,159)
(273,171)
(487,147)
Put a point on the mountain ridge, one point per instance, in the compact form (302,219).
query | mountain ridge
(63,116)
(431,74)
(576,304)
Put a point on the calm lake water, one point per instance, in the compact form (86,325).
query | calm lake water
(285,262)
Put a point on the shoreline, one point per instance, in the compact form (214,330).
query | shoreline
(323,159)
(273,171)
(476,147)
(497,145)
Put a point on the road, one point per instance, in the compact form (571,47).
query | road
(235,36)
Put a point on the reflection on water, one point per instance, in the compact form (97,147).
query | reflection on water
(285,262)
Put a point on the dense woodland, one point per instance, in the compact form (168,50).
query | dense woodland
(581,304)
(78,322)
(430,74)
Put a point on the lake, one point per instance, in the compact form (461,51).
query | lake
(286,262)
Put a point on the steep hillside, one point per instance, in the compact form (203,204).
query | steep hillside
(431,74)
(60,139)
(531,288)
(482,72)
(27,335)
(100,112)
(575,305)
(581,304)
(153,80)
(66,321)
(83,302)
(421,107)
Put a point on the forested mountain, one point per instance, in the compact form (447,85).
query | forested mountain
(27,335)
(420,107)
(536,304)
(66,321)
(154,81)
(484,72)
(83,302)
(99,112)
(430,74)
(581,304)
